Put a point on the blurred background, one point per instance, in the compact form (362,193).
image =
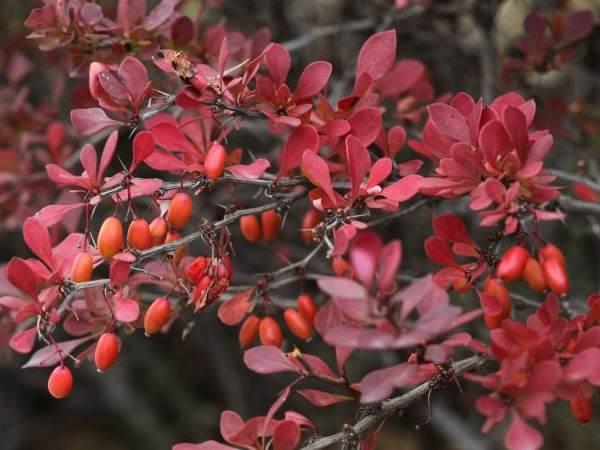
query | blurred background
(167,389)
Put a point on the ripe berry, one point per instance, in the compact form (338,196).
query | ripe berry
(495,288)
(551,251)
(513,263)
(158,231)
(60,382)
(297,324)
(110,238)
(581,408)
(534,275)
(195,271)
(138,234)
(83,267)
(269,332)
(307,307)
(214,164)
(107,350)
(179,251)
(249,331)
(250,228)
(180,210)
(271,224)
(311,219)
(157,316)
(461,284)
(556,276)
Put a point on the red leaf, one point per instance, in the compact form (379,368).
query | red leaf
(126,310)
(107,154)
(438,251)
(21,276)
(579,24)
(521,436)
(342,287)
(231,426)
(233,311)
(359,162)
(23,341)
(322,398)
(313,79)
(49,356)
(377,55)
(208,445)
(494,141)
(302,138)
(403,189)
(449,122)
(252,171)
(286,436)
(37,239)
(379,384)
(278,62)
(396,138)
(135,76)
(159,15)
(316,170)
(379,172)
(91,120)
(366,124)
(267,359)
(451,228)
(389,260)
(143,146)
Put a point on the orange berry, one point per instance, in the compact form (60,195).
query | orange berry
(60,382)
(496,288)
(269,332)
(139,236)
(513,263)
(556,276)
(107,350)
(311,219)
(271,224)
(297,324)
(581,407)
(461,284)
(157,316)
(551,251)
(83,266)
(307,307)
(180,210)
(248,331)
(110,238)
(214,164)
(179,251)
(250,228)
(158,231)
(534,275)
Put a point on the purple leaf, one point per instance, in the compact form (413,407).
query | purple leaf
(267,359)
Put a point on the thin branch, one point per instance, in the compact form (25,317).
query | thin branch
(392,406)
(398,214)
(578,206)
(562,175)
(327,30)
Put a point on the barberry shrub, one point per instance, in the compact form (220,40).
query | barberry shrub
(380,237)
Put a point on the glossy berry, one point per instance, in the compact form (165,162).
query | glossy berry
(158,231)
(179,251)
(83,266)
(581,408)
(180,210)
(551,251)
(248,331)
(534,275)
(107,351)
(311,219)
(157,316)
(214,164)
(496,288)
(195,271)
(297,324)
(60,382)
(307,307)
(269,332)
(110,238)
(461,284)
(513,263)
(138,234)
(270,224)
(556,276)
(250,228)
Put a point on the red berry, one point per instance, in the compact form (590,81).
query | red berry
(180,210)
(311,219)
(250,228)
(581,408)
(195,271)
(107,350)
(585,193)
(495,288)
(249,331)
(513,263)
(534,275)
(138,234)
(271,224)
(214,164)
(110,238)
(556,276)
(83,267)
(60,382)
(269,332)
(307,307)
(158,231)
(297,324)
(551,251)
(157,316)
